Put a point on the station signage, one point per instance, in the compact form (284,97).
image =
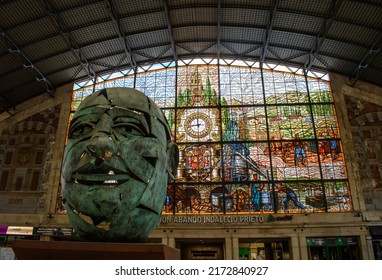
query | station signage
(53,231)
(222,219)
(331,241)
(15,230)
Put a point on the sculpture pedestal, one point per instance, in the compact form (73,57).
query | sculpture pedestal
(74,250)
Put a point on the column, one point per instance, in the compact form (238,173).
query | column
(228,249)
(235,248)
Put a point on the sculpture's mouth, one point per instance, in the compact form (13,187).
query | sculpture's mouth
(110,179)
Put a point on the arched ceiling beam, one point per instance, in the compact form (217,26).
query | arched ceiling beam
(122,37)
(27,63)
(272,17)
(219,31)
(367,59)
(65,33)
(327,23)
(170,31)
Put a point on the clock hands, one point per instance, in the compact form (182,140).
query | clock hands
(195,122)
(197,125)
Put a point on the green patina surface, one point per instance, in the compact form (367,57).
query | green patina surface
(117,164)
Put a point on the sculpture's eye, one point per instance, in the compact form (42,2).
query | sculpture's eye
(80,130)
(127,130)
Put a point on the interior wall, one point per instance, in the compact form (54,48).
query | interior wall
(45,197)
(361,108)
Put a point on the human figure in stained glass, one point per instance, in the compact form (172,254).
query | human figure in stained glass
(256,193)
(289,195)
(299,149)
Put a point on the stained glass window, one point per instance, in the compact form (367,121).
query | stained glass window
(251,140)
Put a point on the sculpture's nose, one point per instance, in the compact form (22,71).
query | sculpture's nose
(101,147)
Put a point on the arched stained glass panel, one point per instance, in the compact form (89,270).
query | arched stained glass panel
(251,140)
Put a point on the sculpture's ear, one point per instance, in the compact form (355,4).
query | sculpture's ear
(173,160)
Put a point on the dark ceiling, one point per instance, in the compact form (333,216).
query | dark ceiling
(47,43)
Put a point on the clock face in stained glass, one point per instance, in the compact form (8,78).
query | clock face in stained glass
(198,125)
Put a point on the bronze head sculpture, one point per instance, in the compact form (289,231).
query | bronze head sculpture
(117,163)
